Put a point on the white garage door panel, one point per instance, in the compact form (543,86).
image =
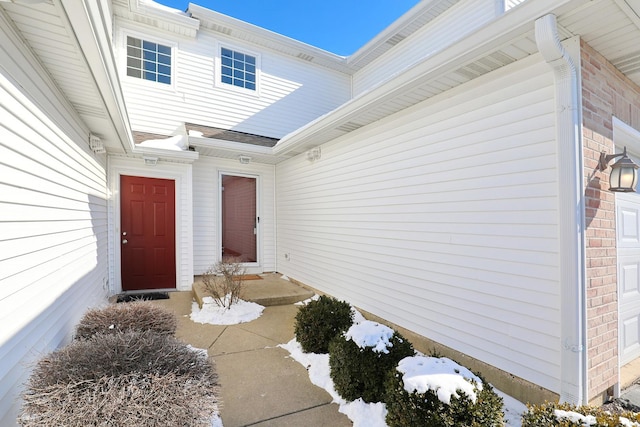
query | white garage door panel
(628,242)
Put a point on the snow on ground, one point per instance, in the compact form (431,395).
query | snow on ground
(370,334)
(372,414)
(240,312)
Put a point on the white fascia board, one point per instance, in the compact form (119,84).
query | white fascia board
(87,22)
(498,32)
(166,14)
(231,146)
(234,24)
(396,27)
(168,155)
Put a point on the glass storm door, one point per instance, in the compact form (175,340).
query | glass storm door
(239,218)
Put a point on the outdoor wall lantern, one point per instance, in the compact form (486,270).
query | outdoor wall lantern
(624,172)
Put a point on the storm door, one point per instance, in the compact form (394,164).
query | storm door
(239,218)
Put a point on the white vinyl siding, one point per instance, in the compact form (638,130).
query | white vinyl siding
(291,92)
(53,225)
(451,26)
(442,219)
(206,210)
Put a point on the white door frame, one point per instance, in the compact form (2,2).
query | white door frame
(252,267)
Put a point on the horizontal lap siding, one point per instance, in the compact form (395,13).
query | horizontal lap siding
(443,31)
(206,210)
(292,92)
(442,219)
(53,223)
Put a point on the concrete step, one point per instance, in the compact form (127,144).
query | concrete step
(270,289)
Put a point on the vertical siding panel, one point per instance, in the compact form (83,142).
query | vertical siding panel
(206,210)
(442,219)
(53,224)
(457,22)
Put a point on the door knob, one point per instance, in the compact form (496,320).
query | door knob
(125,241)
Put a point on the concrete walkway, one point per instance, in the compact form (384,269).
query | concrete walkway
(260,385)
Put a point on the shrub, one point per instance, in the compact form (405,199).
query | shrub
(418,395)
(318,322)
(131,316)
(131,378)
(134,399)
(566,415)
(223,281)
(361,358)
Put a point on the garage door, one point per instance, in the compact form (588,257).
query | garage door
(628,241)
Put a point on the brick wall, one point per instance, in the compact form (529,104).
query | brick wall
(605,93)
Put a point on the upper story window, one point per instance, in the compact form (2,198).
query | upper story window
(238,69)
(148,60)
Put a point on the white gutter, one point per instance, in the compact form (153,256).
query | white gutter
(573,359)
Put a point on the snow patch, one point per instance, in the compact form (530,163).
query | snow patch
(368,334)
(240,312)
(586,420)
(439,374)
(173,143)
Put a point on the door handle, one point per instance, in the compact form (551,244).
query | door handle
(125,241)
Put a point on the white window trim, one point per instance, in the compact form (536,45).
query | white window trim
(145,37)
(218,69)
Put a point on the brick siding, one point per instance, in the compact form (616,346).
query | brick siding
(606,93)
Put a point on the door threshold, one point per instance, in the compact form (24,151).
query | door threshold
(150,295)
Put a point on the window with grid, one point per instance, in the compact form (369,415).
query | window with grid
(238,69)
(149,61)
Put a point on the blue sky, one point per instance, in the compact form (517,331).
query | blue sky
(338,26)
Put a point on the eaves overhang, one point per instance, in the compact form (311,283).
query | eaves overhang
(93,19)
(234,150)
(232,27)
(502,41)
(174,156)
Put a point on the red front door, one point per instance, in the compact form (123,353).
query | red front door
(147,236)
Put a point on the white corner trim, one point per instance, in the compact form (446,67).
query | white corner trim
(573,363)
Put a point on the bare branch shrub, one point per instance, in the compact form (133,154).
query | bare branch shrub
(130,316)
(121,354)
(135,399)
(137,378)
(224,281)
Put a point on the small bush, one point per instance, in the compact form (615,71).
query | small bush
(224,281)
(121,354)
(564,415)
(130,316)
(360,360)
(318,322)
(131,378)
(135,399)
(434,404)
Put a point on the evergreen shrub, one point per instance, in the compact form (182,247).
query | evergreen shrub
(359,371)
(318,322)
(433,405)
(550,414)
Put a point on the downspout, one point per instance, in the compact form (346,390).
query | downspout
(573,353)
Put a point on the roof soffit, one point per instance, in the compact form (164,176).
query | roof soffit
(155,15)
(232,27)
(504,40)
